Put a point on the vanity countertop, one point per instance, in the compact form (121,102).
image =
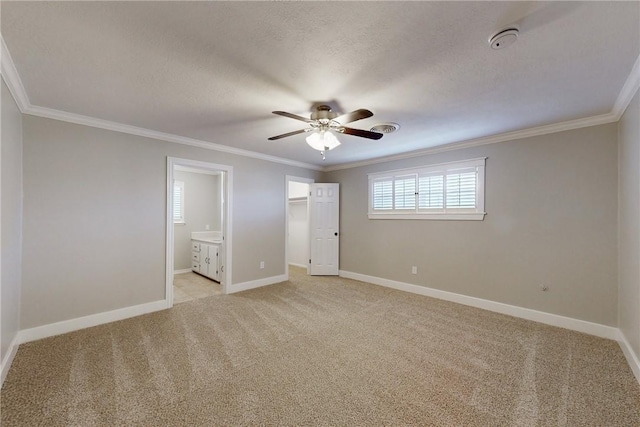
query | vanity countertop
(207,236)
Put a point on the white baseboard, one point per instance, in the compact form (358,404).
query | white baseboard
(632,358)
(184,270)
(590,328)
(52,329)
(8,359)
(245,286)
(71,325)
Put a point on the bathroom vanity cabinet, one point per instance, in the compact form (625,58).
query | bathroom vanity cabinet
(205,259)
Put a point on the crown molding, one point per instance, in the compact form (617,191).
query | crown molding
(628,90)
(64,116)
(502,137)
(12,78)
(625,96)
(14,83)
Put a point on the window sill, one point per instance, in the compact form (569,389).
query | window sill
(179,223)
(476,216)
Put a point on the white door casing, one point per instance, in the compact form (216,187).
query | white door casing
(324,207)
(288,180)
(225,250)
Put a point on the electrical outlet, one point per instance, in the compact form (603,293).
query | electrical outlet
(414,270)
(261,264)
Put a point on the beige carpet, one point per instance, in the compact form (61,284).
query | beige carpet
(321,351)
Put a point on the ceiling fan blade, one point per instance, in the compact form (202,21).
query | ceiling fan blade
(284,135)
(292,116)
(361,132)
(353,116)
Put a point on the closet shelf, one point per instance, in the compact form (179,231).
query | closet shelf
(297,200)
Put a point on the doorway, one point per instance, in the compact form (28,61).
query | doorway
(297,222)
(213,231)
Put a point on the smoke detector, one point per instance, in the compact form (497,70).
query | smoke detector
(387,127)
(503,38)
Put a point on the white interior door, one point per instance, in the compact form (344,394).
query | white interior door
(324,210)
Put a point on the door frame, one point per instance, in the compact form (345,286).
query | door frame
(227,192)
(291,178)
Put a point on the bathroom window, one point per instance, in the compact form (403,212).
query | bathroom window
(178,202)
(449,191)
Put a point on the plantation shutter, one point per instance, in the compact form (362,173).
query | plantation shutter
(461,189)
(383,194)
(178,201)
(431,192)
(405,192)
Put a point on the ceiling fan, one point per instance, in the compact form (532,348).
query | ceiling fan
(322,122)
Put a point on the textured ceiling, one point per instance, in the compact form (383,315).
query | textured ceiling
(215,70)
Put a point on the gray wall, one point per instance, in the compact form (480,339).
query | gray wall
(552,219)
(94,218)
(11,179)
(202,207)
(95,212)
(629,229)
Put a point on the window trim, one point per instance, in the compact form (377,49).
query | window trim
(178,220)
(464,214)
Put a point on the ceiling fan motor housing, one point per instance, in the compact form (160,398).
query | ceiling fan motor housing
(323,113)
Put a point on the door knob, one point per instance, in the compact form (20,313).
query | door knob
(335,234)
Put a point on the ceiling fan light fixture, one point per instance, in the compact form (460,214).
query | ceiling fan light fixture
(322,141)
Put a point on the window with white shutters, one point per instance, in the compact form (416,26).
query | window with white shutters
(444,191)
(178,202)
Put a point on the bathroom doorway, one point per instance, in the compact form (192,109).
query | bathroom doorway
(198,229)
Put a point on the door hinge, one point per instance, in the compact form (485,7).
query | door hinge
(309,260)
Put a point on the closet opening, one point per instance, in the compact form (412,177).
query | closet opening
(297,242)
